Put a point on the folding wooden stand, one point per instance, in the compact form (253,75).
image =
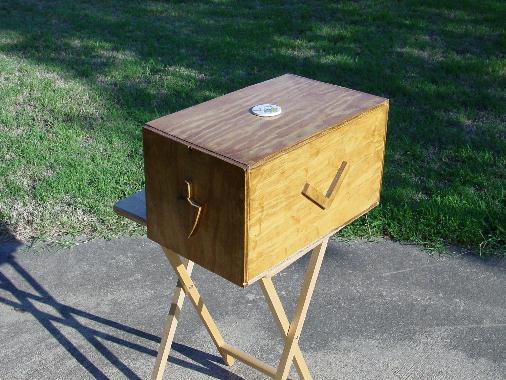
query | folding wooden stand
(245,196)
(134,208)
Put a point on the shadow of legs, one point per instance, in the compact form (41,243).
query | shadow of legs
(26,301)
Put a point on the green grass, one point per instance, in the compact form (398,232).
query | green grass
(78,80)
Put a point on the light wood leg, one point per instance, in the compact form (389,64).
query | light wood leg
(292,339)
(284,324)
(194,296)
(170,326)
(291,331)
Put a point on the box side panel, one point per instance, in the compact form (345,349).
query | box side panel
(282,220)
(218,186)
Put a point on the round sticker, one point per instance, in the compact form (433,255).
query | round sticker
(266,110)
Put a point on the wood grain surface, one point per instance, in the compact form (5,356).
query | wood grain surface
(281,220)
(226,128)
(258,190)
(218,242)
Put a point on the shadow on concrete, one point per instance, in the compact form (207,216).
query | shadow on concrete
(66,316)
(8,242)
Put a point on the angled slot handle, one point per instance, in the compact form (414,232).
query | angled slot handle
(324,201)
(195,205)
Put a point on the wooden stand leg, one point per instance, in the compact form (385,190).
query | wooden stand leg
(284,324)
(170,326)
(194,296)
(292,338)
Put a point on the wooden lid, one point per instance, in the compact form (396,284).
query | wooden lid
(225,126)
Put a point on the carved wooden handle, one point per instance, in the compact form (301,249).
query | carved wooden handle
(325,201)
(194,204)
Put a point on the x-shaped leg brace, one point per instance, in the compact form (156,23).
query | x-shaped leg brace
(291,331)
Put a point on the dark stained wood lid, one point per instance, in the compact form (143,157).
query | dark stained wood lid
(225,127)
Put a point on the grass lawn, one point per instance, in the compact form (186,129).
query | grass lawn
(78,80)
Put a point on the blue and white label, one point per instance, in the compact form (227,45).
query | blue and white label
(266,110)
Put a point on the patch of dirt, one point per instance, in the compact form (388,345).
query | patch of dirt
(32,219)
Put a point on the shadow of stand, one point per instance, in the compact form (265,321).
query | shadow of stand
(199,361)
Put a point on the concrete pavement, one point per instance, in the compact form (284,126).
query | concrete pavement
(381,310)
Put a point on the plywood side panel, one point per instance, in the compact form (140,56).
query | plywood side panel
(218,243)
(281,220)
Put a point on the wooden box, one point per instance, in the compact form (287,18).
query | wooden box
(239,194)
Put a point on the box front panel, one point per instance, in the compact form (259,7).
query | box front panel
(282,220)
(192,193)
